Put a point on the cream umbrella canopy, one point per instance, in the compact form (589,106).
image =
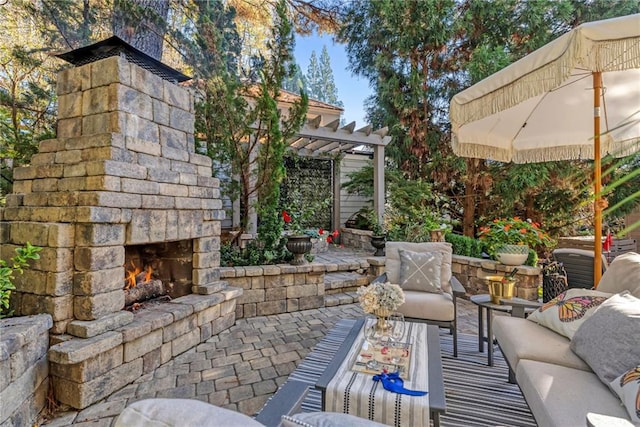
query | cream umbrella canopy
(577,97)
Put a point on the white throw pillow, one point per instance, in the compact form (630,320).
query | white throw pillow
(565,313)
(627,386)
(420,271)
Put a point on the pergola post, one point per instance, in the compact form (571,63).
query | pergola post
(378,181)
(335,215)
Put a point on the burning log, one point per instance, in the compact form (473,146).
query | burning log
(143,291)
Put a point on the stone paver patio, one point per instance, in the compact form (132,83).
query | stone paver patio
(238,369)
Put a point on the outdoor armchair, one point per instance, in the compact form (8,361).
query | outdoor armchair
(578,263)
(423,270)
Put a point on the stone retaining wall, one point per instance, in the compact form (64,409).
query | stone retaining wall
(283,288)
(24,371)
(354,238)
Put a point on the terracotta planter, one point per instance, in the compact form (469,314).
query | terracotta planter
(299,246)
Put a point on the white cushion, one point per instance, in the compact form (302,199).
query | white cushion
(180,413)
(521,339)
(392,259)
(326,419)
(623,274)
(565,313)
(562,397)
(420,271)
(627,386)
(428,306)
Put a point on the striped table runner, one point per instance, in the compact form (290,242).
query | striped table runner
(357,394)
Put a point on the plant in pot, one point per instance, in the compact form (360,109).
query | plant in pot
(508,240)
(298,242)
(378,233)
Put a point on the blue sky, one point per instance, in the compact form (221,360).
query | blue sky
(352,90)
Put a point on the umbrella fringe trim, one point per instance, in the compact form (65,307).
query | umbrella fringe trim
(549,154)
(614,55)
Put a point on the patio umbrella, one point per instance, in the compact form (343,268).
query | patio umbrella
(577,97)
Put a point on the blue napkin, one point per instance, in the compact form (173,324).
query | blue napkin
(393,383)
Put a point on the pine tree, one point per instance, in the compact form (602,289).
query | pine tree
(328,91)
(313,76)
(296,82)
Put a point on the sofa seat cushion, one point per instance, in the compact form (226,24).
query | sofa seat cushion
(428,306)
(561,396)
(521,339)
(180,413)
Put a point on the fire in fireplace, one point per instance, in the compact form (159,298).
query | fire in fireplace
(158,269)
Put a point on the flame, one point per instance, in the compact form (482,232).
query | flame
(130,276)
(147,273)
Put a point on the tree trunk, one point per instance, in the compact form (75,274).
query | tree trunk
(470,195)
(142,24)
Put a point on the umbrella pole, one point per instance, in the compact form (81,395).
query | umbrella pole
(597,208)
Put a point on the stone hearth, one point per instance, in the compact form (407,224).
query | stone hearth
(122,172)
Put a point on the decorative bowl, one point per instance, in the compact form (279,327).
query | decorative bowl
(512,254)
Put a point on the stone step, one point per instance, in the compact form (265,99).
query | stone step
(343,298)
(344,280)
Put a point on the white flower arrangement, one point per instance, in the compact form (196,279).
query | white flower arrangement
(386,296)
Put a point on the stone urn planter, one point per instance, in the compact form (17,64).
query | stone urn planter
(512,254)
(378,242)
(299,245)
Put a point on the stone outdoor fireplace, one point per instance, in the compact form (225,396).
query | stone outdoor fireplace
(120,186)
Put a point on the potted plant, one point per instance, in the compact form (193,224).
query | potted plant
(378,233)
(508,240)
(299,238)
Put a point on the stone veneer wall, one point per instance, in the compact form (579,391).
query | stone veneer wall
(24,370)
(122,171)
(282,288)
(470,271)
(355,238)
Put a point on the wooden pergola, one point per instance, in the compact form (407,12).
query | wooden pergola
(329,140)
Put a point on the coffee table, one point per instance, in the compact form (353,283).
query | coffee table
(426,340)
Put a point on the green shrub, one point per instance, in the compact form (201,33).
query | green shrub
(463,245)
(7,274)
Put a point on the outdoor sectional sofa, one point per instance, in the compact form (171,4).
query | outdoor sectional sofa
(562,388)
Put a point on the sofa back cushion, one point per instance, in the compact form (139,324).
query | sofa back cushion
(609,340)
(392,261)
(623,274)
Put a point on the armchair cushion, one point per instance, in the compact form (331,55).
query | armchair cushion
(428,306)
(420,271)
(392,262)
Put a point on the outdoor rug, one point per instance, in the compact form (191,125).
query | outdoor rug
(477,394)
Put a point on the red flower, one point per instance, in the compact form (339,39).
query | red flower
(286,217)
(320,231)
(523,230)
(335,233)
(329,239)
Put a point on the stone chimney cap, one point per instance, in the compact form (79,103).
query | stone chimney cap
(115,46)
